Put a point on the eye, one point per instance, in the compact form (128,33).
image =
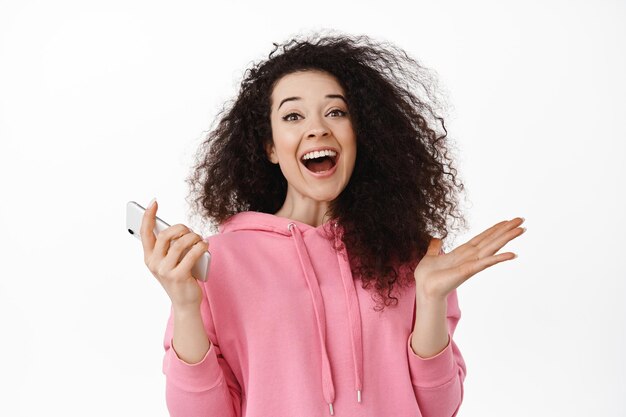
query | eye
(341,112)
(287,117)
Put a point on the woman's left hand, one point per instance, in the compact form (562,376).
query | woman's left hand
(438,275)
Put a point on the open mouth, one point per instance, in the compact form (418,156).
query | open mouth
(321,164)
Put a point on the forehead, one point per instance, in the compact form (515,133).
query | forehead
(305,83)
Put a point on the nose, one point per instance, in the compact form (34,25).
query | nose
(317,128)
(317,132)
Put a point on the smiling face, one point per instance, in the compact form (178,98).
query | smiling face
(309,112)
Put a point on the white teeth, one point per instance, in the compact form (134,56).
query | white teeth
(318,154)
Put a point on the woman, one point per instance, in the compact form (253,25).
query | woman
(327,177)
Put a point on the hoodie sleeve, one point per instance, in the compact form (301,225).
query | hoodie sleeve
(207,388)
(438,380)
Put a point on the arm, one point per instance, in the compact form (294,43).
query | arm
(438,372)
(438,380)
(199,382)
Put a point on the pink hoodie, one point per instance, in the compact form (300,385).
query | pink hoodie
(293,335)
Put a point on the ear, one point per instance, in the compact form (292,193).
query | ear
(270,151)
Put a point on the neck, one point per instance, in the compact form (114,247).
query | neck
(313,215)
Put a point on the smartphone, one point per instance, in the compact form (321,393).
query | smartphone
(134,216)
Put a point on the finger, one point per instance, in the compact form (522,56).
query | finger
(193,255)
(434,247)
(496,230)
(479,238)
(492,246)
(178,248)
(471,268)
(496,234)
(468,249)
(146,230)
(164,239)
(485,263)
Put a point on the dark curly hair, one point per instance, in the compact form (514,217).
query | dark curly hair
(403,189)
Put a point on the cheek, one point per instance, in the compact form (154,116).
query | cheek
(347,132)
(350,145)
(286,143)
(352,154)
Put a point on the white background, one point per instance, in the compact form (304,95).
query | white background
(101,103)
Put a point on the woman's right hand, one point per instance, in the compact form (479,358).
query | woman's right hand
(170,256)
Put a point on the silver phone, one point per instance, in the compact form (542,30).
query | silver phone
(134,216)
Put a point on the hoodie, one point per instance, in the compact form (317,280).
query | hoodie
(293,334)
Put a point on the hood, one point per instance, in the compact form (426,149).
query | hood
(294,230)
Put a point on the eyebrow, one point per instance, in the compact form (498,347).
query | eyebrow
(300,98)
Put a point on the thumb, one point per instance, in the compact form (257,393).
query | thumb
(434,247)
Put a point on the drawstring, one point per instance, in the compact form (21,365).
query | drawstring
(328,387)
(354,315)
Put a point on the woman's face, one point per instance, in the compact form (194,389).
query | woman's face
(309,112)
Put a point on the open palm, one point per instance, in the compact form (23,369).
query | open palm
(437,275)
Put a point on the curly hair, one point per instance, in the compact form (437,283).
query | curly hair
(403,189)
